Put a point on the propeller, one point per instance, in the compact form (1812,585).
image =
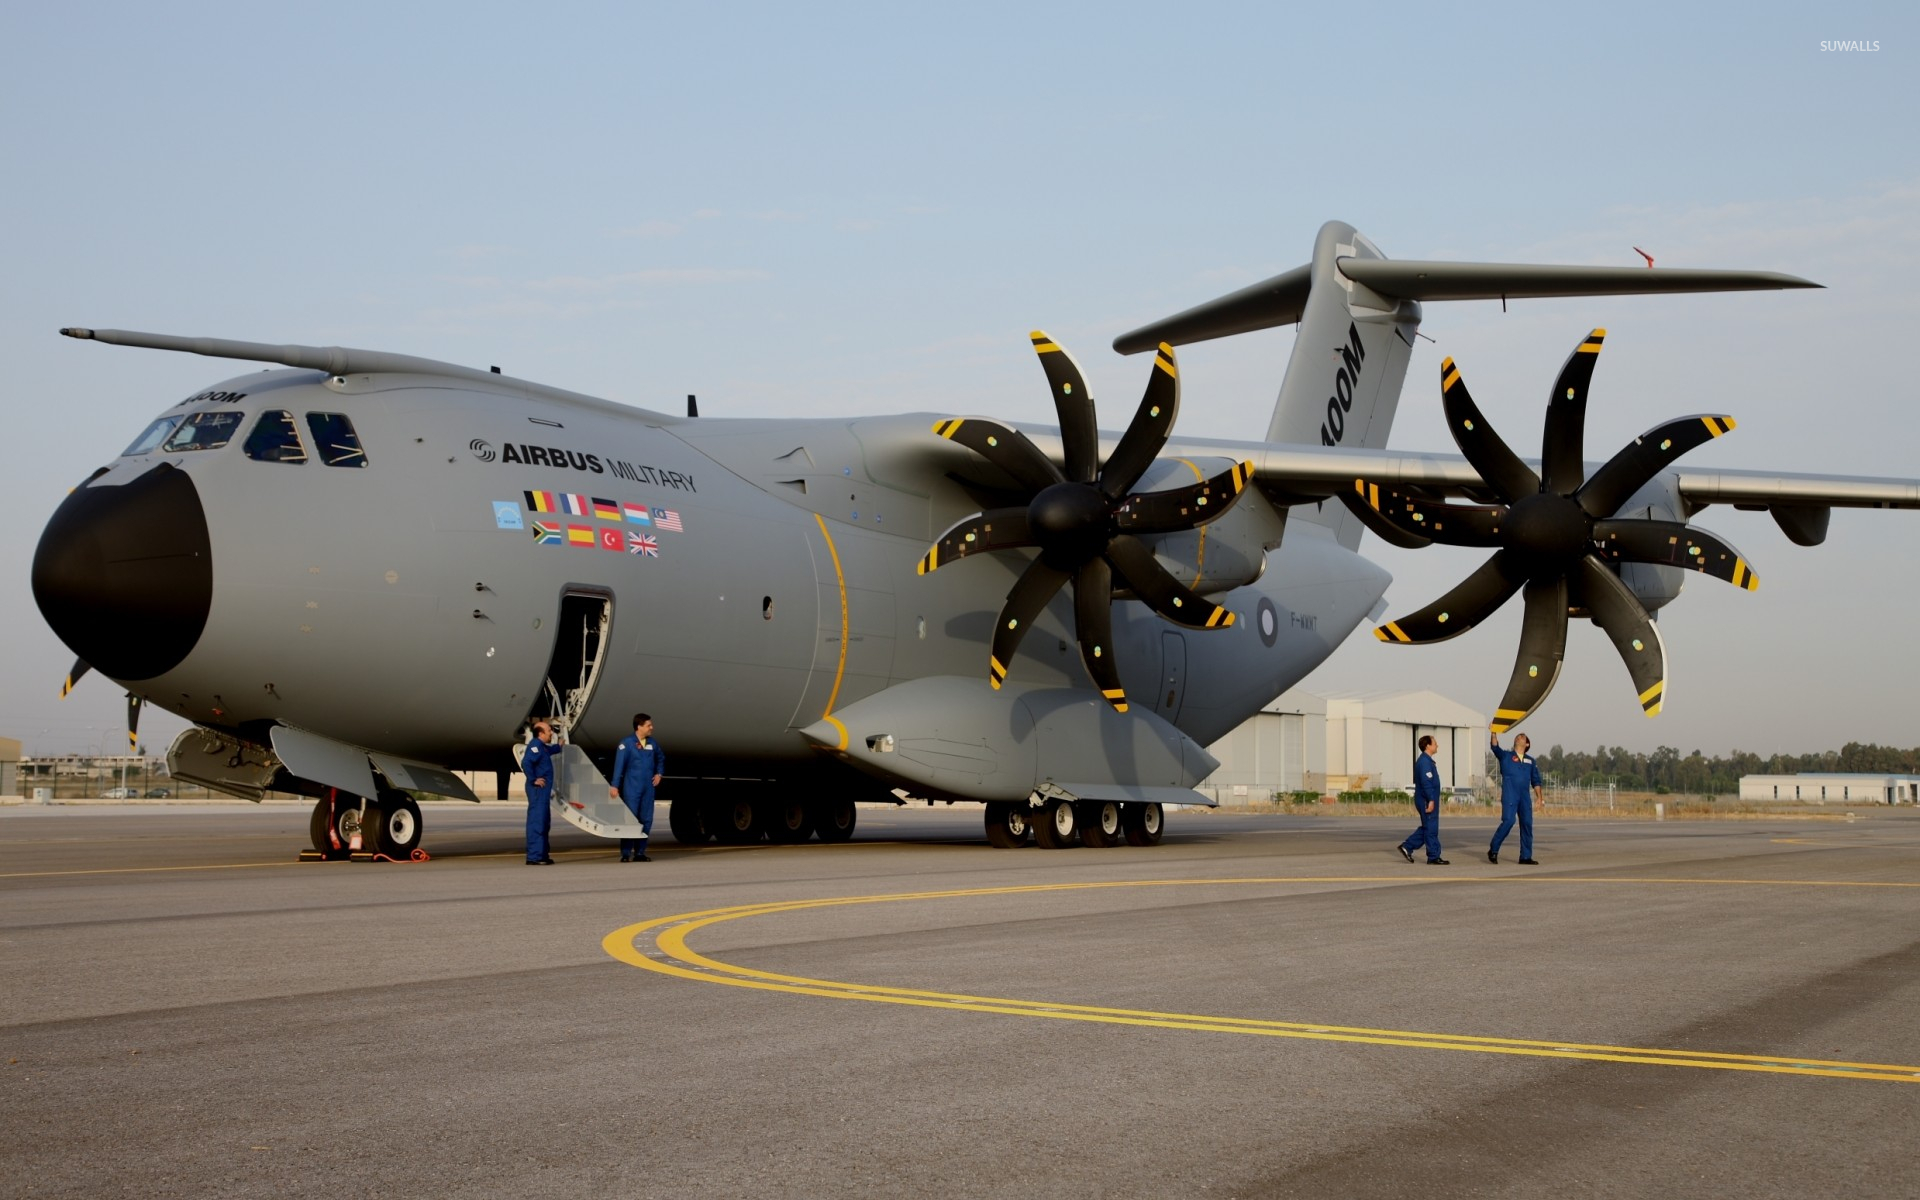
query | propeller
(133,723)
(1086,520)
(78,669)
(1555,537)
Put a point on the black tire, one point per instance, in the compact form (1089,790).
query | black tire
(732,822)
(345,812)
(788,822)
(1007,825)
(1057,826)
(834,819)
(1100,824)
(1143,823)
(686,821)
(396,825)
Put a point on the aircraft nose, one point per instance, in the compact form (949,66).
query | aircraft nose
(124,575)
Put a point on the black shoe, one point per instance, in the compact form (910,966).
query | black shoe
(1493,856)
(626,858)
(1438,862)
(539,862)
(1405,853)
(643,858)
(546,862)
(1529,862)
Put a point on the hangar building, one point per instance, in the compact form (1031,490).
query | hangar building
(1845,788)
(1330,743)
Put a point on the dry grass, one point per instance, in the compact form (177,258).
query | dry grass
(1626,806)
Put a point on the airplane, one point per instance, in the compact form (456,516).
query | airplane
(361,572)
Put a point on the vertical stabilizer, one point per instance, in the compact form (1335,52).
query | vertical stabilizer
(1349,360)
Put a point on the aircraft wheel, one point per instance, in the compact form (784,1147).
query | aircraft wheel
(788,822)
(834,819)
(1057,827)
(396,824)
(345,814)
(733,822)
(684,818)
(1007,824)
(1099,821)
(1142,823)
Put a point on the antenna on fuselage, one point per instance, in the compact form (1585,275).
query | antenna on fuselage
(693,406)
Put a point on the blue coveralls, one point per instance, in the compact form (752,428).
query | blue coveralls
(1426,792)
(1518,777)
(634,767)
(537,764)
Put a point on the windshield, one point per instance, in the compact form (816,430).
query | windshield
(275,439)
(334,438)
(151,436)
(204,431)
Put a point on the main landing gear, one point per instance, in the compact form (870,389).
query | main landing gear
(388,824)
(1058,824)
(742,822)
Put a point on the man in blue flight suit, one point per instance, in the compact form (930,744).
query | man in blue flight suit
(1426,801)
(537,763)
(1520,785)
(637,767)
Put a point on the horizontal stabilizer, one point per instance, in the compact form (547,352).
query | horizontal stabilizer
(1282,299)
(1406,279)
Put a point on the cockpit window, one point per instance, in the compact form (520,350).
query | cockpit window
(152,436)
(333,436)
(275,438)
(204,431)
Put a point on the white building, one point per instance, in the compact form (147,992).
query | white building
(1837,788)
(1348,740)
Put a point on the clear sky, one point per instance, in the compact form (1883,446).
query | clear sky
(842,209)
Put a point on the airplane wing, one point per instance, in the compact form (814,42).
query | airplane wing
(1316,472)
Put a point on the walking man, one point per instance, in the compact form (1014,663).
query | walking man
(637,767)
(1520,785)
(1426,801)
(537,764)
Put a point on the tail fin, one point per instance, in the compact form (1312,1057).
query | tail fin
(1343,381)
(1358,310)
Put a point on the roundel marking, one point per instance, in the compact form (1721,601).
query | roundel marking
(1268,622)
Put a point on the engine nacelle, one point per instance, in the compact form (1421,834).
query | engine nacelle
(1653,585)
(1223,554)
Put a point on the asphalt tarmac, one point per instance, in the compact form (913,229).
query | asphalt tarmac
(1261,1006)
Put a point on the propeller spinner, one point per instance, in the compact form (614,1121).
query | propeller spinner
(1084,521)
(1555,535)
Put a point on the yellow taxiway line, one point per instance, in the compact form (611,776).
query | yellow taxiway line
(672,956)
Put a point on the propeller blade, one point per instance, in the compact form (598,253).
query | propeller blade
(1672,544)
(1159,590)
(1079,433)
(1433,520)
(133,723)
(1616,610)
(1543,646)
(1004,448)
(1178,509)
(996,529)
(1509,478)
(1470,602)
(1037,585)
(1562,449)
(1093,622)
(1382,528)
(1628,471)
(78,669)
(1152,424)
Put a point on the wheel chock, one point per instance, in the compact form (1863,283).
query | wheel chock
(322,856)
